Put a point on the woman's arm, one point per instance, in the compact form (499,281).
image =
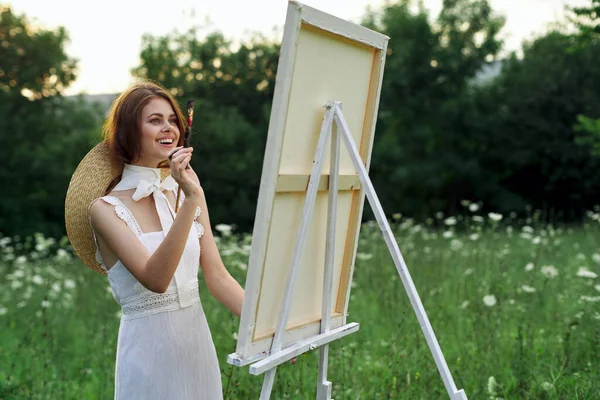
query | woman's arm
(219,281)
(154,272)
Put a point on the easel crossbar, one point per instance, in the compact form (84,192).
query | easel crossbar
(302,347)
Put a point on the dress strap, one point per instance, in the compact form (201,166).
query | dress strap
(123,213)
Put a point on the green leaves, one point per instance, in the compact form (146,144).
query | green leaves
(33,60)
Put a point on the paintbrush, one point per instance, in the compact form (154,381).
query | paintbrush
(186,140)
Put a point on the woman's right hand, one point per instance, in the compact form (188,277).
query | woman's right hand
(179,159)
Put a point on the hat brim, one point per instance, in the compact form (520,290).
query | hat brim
(89,181)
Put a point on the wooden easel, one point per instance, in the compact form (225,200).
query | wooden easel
(279,355)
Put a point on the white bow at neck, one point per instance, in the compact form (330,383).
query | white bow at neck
(145,180)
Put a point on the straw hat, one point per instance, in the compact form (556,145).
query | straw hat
(89,181)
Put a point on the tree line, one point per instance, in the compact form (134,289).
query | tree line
(528,136)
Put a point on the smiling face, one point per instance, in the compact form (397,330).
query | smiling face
(159,132)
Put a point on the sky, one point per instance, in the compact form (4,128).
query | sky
(105,36)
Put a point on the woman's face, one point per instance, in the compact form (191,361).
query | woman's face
(159,132)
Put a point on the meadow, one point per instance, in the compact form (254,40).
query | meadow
(514,302)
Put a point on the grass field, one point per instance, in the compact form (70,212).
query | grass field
(515,306)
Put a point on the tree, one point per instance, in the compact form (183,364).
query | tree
(44,134)
(587,20)
(525,122)
(421,156)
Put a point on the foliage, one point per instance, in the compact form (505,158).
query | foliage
(444,133)
(422,157)
(513,303)
(44,135)
(587,20)
(523,122)
(589,133)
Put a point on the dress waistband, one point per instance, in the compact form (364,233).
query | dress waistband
(148,302)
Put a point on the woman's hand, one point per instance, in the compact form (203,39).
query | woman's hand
(186,178)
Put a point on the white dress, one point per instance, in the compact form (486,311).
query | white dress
(165,349)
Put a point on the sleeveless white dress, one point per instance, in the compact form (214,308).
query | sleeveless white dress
(165,349)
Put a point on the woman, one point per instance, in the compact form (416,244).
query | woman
(150,252)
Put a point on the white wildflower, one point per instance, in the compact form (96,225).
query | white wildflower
(526,235)
(473,207)
(465,203)
(549,270)
(56,287)
(547,386)
(448,234)
(45,304)
(37,280)
(536,240)
(464,304)
(18,274)
(468,271)
(597,287)
(234,335)
(3,310)
(586,273)
(477,218)
(491,387)
(529,267)
(364,256)
(527,229)
(495,216)
(242,266)
(20,260)
(489,300)
(16,285)
(596,258)
(396,216)
(62,254)
(474,236)
(591,299)
(450,221)
(439,215)
(70,284)
(223,228)
(456,244)
(527,289)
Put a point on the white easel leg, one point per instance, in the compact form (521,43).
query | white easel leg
(323,385)
(398,260)
(309,202)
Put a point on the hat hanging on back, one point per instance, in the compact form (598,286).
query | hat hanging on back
(89,181)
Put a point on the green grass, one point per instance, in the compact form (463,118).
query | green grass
(540,340)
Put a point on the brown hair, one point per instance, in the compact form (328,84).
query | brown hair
(122,127)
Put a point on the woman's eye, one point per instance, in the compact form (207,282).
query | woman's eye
(154,121)
(173,121)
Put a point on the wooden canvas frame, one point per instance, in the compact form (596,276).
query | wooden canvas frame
(311,71)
